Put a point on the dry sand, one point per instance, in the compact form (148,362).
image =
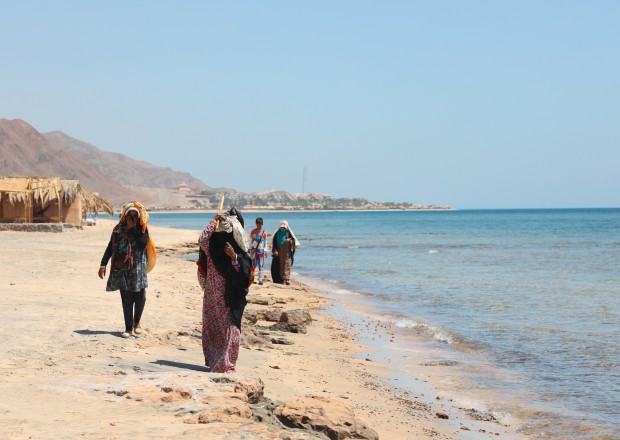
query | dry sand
(65,372)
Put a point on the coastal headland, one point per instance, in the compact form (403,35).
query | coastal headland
(302,374)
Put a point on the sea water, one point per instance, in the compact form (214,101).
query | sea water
(520,307)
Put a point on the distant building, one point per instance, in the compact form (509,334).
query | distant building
(184,187)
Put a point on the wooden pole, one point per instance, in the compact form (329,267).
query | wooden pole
(219,211)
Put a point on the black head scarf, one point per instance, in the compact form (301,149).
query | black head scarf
(233,211)
(216,247)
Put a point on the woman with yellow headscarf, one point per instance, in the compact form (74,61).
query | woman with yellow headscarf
(133,255)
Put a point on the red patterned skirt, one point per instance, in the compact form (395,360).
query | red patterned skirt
(220,337)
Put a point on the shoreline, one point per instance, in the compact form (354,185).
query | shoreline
(414,364)
(253,211)
(64,352)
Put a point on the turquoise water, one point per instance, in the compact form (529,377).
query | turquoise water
(534,294)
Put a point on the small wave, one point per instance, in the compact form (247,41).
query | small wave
(346,292)
(480,411)
(437,332)
(433,251)
(330,285)
(353,247)
(383,271)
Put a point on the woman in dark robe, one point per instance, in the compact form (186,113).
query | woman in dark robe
(283,248)
(224,269)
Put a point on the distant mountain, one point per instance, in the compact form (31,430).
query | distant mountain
(26,152)
(123,168)
(118,178)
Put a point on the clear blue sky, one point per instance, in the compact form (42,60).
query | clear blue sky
(473,104)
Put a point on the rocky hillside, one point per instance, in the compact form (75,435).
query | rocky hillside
(118,178)
(26,152)
(122,168)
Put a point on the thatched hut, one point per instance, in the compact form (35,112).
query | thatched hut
(47,200)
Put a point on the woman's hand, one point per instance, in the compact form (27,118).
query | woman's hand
(230,251)
(101,272)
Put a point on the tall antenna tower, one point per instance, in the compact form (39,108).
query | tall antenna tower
(304,185)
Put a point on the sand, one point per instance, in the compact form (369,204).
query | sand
(65,372)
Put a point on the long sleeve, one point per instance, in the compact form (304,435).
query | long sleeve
(265,244)
(253,243)
(274,244)
(107,254)
(203,240)
(236,290)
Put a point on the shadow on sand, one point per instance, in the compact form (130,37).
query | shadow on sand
(97,332)
(183,365)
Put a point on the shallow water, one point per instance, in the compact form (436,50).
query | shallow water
(523,304)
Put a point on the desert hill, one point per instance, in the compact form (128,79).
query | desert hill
(26,152)
(118,178)
(120,167)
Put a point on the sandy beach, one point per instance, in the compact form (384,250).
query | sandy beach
(67,373)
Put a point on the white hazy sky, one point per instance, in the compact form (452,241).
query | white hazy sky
(473,104)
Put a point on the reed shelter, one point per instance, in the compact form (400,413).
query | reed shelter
(47,200)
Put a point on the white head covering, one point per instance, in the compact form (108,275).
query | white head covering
(284,224)
(229,223)
(132,208)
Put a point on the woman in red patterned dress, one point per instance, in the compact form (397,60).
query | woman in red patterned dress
(224,268)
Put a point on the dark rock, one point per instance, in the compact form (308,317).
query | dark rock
(254,390)
(271,315)
(281,341)
(260,300)
(36,227)
(294,321)
(222,379)
(297,316)
(252,338)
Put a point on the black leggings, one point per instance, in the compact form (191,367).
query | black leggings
(129,298)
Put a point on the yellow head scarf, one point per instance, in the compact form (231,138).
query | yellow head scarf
(151,254)
(142,213)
